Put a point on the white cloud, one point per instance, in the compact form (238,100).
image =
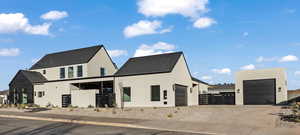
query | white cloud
(17,22)
(297,73)
(145,27)
(158,48)
(245,34)
(10,52)
(195,73)
(288,58)
(248,67)
(222,71)
(54,15)
(204,22)
(264,59)
(290,11)
(206,77)
(187,8)
(117,53)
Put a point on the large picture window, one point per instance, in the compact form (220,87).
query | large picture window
(126,94)
(70,72)
(62,73)
(155,93)
(79,71)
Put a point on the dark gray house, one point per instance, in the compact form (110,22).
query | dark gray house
(21,86)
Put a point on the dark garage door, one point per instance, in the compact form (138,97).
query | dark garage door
(259,92)
(180,95)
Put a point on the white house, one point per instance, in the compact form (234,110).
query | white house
(88,77)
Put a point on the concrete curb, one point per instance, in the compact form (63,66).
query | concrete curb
(100,124)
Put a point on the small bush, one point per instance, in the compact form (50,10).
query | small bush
(97,110)
(142,110)
(90,106)
(175,111)
(170,115)
(154,107)
(114,111)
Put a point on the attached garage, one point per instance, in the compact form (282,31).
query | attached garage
(259,92)
(180,95)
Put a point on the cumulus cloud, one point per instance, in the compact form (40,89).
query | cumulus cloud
(54,15)
(145,27)
(264,59)
(158,48)
(245,34)
(206,77)
(10,52)
(17,22)
(192,9)
(222,71)
(248,67)
(116,53)
(204,22)
(187,8)
(288,58)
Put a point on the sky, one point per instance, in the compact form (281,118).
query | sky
(218,37)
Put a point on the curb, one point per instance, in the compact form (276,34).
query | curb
(100,123)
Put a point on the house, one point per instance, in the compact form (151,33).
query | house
(294,95)
(4,97)
(259,87)
(88,77)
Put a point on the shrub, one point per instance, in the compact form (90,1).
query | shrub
(154,107)
(114,111)
(142,110)
(170,115)
(90,106)
(97,110)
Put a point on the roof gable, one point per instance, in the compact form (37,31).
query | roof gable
(71,57)
(162,63)
(31,76)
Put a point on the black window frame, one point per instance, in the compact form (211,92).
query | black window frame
(69,73)
(128,93)
(155,95)
(62,73)
(102,71)
(80,72)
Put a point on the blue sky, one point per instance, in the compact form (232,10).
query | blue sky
(218,37)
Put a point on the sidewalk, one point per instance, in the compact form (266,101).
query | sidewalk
(170,125)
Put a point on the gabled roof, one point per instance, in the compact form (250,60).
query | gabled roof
(33,76)
(199,81)
(161,63)
(77,56)
(222,86)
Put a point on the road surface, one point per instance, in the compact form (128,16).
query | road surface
(10,126)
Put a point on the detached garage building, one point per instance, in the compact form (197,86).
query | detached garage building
(260,87)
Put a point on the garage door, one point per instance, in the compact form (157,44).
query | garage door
(180,95)
(259,92)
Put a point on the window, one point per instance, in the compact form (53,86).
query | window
(126,94)
(40,94)
(62,73)
(79,71)
(102,71)
(35,93)
(70,72)
(165,94)
(155,93)
(44,71)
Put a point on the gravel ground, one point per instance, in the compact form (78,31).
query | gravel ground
(260,116)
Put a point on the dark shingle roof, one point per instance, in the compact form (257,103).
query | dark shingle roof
(199,81)
(33,76)
(162,63)
(77,56)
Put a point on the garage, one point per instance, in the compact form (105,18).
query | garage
(259,92)
(180,95)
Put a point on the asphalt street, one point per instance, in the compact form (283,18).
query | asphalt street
(10,126)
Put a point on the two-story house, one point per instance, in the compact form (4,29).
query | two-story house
(88,77)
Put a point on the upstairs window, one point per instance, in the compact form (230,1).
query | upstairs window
(70,72)
(79,71)
(102,71)
(155,93)
(62,73)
